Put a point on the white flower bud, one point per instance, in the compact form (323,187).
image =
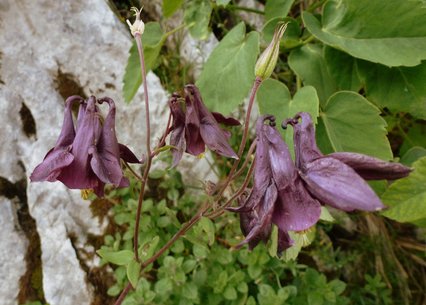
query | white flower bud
(138,26)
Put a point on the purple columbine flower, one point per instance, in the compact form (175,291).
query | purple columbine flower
(278,195)
(195,127)
(87,157)
(327,178)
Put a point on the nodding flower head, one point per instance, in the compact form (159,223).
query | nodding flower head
(138,27)
(86,156)
(195,127)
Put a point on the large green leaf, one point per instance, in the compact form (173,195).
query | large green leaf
(343,69)
(277,8)
(354,124)
(390,32)
(309,64)
(121,258)
(274,98)
(228,74)
(407,197)
(197,17)
(171,6)
(152,41)
(400,89)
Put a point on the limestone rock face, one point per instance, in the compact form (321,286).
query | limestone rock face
(50,50)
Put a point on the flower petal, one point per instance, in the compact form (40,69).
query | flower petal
(336,184)
(284,241)
(78,175)
(54,161)
(209,130)
(260,226)
(177,137)
(105,160)
(127,155)
(296,210)
(221,119)
(371,168)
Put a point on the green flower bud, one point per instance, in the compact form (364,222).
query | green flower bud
(268,59)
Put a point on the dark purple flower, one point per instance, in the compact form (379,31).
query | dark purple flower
(195,127)
(88,157)
(327,178)
(278,195)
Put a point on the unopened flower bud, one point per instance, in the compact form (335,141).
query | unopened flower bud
(268,59)
(138,26)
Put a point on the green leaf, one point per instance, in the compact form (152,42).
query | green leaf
(277,8)
(393,34)
(353,124)
(171,6)
(222,2)
(414,137)
(197,17)
(228,74)
(208,227)
(133,272)
(406,198)
(152,41)
(412,155)
(274,98)
(147,248)
(309,64)
(120,258)
(399,89)
(230,293)
(343,69)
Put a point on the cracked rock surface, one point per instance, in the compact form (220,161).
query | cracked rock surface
(49,50)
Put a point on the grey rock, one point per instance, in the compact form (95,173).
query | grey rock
(13,245)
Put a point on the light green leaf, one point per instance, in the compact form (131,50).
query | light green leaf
(228,74)
(400,89)
(197,17)
(391,33)
(209,228)
(120,258)
(171,6)
(152,41)
(277,8)
(222,2)
(230,293)
(309,64)
(147,248)
(274,98)
(406,197)
(353,124)
(412,155)
(133,272)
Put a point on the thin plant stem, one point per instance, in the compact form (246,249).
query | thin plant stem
(177,235)
(123,294)
(148,148)
(132,171)
(246,161)
(245,9)
(254,89)
(220,211)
